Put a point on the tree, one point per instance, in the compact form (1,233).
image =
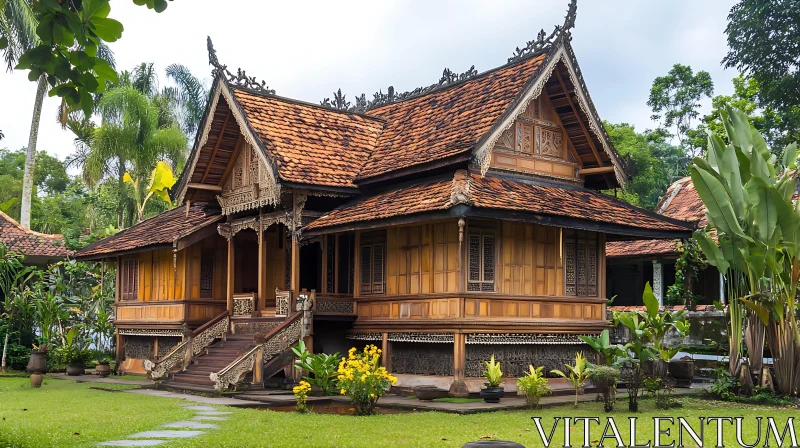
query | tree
(191,96)
(763,42)
(647,159)
(129,139)
(675,101)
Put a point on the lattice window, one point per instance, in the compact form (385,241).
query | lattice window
(207,275)
(373,265)
(580,263)
(129,276)
(482,261)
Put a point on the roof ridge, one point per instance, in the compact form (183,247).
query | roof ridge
(55,236)
(304,103)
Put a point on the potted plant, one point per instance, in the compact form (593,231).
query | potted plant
(37,365)
(494,377)
(605,378)
(533,385)
(72,354)
(103,369)
(577,374)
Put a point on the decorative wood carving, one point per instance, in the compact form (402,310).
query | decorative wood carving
(515,359)
(551,142)
(250,185)
(282,300)
(422,359)
(244,305)
(149,332)
(506,140)
(543,40)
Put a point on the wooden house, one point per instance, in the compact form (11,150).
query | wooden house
(445,225)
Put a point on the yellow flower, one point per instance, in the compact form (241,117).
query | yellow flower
(342,392)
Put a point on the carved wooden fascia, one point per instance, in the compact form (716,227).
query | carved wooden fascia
(259,224)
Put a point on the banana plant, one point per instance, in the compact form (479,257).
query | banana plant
(577,373)
(659,323)
(603,346)
(161,180)
(753,237)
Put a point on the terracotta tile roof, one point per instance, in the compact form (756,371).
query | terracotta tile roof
(311,144)
(445,122)
(498,194)
(33,244)
(640,248)
(424,197)
(161,229)
(681,201)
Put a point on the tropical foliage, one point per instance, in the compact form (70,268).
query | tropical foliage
(493,374)
(534,385)
(321,368)
(576,373)
(749,196)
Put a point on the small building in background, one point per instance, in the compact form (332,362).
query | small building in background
(40,249)
(632,264)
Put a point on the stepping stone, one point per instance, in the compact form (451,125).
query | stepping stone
(200,408)
(133,443)
(193,425)
(211,417)
(214,413)
(166,434)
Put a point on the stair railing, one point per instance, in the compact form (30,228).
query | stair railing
(277,341)
(192,345)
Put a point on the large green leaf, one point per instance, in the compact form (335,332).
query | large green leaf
(730,167)
(790,156)
(764,198)
(717,201)
(711,251)
(162,180)
(650,301)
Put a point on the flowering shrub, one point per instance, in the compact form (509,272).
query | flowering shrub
(301,394)
(360,376)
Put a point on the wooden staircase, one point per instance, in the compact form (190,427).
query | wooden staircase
(217,356)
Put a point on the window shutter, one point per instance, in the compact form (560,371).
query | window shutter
(481,274)
(130,280)
(580,263)
(366,272)
(377,269)
(207,275)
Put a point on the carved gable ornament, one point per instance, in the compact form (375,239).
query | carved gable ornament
(249,184)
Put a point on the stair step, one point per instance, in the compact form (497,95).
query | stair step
(191,380)
(189,387)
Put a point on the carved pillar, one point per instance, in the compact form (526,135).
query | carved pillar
(231,273)
(458,388)
(295,269)
(658,281)
(120,352)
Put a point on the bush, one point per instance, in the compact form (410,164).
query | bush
(17,356)
(534,386)
(361,377)
(605,378)
(725,386)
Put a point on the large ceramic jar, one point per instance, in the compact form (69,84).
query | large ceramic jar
(38,362)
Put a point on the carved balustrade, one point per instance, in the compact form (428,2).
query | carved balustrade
(276,342)
(192,345)
(244,304)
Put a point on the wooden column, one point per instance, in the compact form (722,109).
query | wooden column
(295,268)
(262,269)
(386,348)
(231,274)
(459,388)
(120,352)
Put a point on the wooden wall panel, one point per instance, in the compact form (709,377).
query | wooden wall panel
(422,259)
(154,313)
(445,261)
(531,260)
(276,265)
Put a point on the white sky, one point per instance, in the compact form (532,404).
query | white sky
(308,49)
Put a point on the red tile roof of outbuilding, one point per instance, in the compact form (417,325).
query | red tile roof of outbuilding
(34,244)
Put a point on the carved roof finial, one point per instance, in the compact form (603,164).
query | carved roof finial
(542,42)
(240,79)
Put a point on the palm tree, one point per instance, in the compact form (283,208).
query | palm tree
(191,96)
(18,32)
(129,139)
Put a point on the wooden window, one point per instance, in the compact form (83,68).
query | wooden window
(373,263)
(207,275)
(482,261)
(580,263)
(130,280)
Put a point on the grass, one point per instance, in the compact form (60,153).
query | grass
(62,408)
(63,413)
(129,377)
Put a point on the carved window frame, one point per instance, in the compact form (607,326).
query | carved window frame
(129,279)
(581,263)
(206,280)
(481,260)
(372,252)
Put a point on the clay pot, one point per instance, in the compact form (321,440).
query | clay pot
(492,394)
(102,369)
(76,369)
(36,380)
(38,362)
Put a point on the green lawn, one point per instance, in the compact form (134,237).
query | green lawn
(53,414)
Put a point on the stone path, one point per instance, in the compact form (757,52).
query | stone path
(183,429)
